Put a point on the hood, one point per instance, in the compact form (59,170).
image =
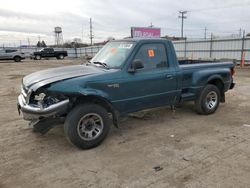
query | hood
(44,77)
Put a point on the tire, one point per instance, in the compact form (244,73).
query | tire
(61,56)
(83,122)
(37,57)
(208,101)
(17,58)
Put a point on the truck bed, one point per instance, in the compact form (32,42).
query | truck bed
(191,71)
(184,61)
(202,65)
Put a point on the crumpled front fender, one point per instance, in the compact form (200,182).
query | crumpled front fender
(94,92)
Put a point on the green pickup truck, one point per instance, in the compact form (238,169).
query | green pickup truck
(125,76)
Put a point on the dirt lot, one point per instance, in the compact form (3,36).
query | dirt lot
(160,149)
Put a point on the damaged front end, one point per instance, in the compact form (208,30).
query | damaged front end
(37,106)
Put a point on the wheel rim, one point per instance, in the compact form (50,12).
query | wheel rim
(211,100)
(90,126)
(61,56)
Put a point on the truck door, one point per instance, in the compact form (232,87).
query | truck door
(51,52)
(153,85)
(48,52)
(10,53)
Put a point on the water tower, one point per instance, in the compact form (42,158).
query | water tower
(58,36)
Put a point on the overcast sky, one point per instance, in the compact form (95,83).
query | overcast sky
(21,20)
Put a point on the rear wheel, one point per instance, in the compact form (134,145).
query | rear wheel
(61,56)
(17,58)
(87,125)
(208,101)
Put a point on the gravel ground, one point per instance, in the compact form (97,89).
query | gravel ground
(157,148)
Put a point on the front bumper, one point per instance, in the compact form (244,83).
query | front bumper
(35,113)
(232,85)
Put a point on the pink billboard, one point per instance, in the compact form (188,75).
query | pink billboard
(145,32)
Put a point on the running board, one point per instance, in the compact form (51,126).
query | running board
(187,97)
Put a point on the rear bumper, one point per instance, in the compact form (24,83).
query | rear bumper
(35,113)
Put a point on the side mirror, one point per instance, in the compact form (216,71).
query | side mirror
(136,64)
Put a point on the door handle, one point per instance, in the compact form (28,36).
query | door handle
(169,76)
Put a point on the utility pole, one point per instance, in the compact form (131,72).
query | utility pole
(20,46)
(182,16)
(91,36)
(243,49)
(28,39)
(82,34)
(211,46)
(205,33)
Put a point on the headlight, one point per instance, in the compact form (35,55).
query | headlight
(39,97)
(43,98)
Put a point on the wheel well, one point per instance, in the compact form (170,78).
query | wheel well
(220,85)
(100,101)
(16,56)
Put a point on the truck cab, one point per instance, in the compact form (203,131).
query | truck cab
(47,52)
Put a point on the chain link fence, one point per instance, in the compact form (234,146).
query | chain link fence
(236,49)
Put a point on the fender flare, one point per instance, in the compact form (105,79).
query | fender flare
(101,98)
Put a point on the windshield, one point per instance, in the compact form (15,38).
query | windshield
(113,54)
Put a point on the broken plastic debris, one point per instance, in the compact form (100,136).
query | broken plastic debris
(172,136)
(185,159)
(246,125)
(158,168)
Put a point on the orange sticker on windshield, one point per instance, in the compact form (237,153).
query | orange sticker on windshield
(151,53)
(113,50)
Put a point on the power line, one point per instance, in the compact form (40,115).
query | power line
(186,29)
(221,7)
(182,16)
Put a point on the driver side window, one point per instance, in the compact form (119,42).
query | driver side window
(152,56)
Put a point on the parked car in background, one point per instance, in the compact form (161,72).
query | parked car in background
(48,53)
(11,54)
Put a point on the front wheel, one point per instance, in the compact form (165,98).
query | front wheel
(87,125)
(37,57)
(208,101)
